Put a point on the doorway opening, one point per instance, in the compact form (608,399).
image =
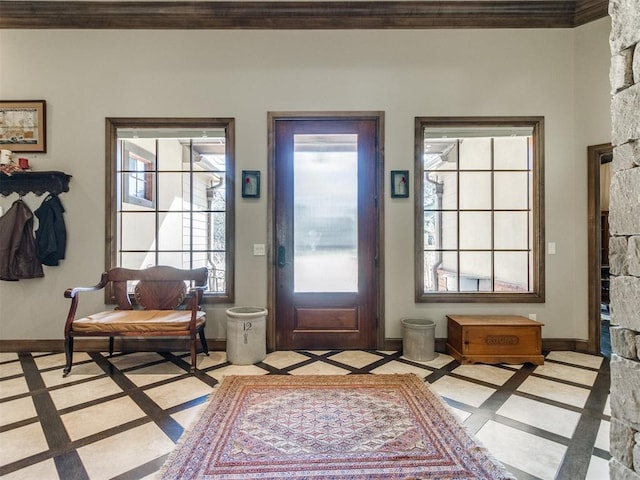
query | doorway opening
(599,178)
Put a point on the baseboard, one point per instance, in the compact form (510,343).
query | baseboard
(179,345)
(582,346)
(564,344)
(391,345)
(548,345)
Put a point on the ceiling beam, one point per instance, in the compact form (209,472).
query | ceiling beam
(418,14)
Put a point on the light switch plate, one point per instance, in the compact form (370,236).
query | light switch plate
(259,249)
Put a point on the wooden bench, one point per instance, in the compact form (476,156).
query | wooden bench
(494,339)
(164,307)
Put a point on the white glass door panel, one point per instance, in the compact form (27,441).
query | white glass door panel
(325,213)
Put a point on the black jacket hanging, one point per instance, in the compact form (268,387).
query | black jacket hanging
(51,236)
(17,246)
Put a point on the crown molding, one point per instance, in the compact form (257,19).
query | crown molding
(589,10)
(365,14)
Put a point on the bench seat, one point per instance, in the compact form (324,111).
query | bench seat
(143,321)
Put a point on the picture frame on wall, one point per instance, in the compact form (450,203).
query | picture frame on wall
(23,126)
(250,184)
(399,183)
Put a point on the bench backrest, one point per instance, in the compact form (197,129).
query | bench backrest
(158,288)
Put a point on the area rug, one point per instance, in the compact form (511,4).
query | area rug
(329,428)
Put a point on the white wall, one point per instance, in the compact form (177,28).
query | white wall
(593,127)
(86,76)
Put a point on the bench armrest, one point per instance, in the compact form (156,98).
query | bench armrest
(73,294)
(192,300)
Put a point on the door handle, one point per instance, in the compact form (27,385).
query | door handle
(282,256)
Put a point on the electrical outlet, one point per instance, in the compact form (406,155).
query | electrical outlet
(532,316)
(259,249)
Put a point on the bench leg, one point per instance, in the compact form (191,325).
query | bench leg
(111,347)
(192,346)
(68,350)
(203,341)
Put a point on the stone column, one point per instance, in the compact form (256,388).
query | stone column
(624,246)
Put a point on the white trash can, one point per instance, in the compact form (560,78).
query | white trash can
(246,335)
(418,339)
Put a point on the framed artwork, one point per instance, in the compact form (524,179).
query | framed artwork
(399,183)
(23,125)
(251,183)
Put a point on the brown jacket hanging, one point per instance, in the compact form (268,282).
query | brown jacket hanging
(17,245)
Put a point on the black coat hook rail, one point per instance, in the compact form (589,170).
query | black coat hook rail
(38,183)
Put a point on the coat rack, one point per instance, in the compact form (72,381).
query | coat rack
(34,182)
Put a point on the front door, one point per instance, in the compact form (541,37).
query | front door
(325,231)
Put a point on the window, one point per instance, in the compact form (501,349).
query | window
(479,209)
(170,197)
(138,185)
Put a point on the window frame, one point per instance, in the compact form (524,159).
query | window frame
(112,195)
(537,293)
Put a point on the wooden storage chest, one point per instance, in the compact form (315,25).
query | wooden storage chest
(494,339)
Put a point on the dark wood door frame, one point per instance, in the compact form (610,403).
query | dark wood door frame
(272,117)
(595,153)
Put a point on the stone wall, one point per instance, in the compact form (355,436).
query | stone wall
(624,246)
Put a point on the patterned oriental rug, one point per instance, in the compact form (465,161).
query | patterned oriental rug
(329,428)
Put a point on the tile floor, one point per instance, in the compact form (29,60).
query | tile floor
(119,417)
